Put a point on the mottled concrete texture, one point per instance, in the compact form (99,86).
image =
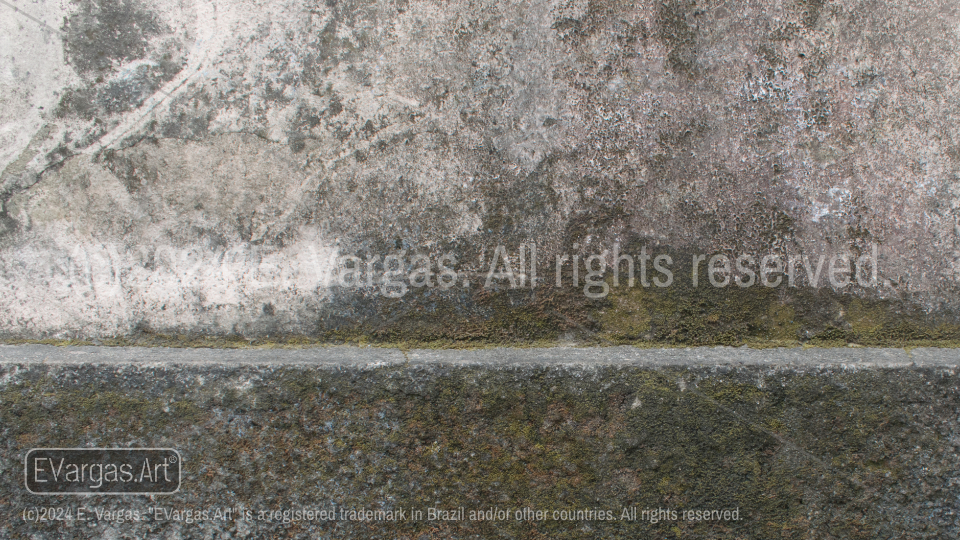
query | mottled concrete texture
(177,170)
(812,444)
(197,174)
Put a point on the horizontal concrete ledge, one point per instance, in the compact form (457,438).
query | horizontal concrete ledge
(372,357)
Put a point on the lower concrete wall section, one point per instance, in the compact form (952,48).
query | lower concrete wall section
(559,443)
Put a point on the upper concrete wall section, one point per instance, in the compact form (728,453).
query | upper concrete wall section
(209,167)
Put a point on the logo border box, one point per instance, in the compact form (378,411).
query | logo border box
(26,484)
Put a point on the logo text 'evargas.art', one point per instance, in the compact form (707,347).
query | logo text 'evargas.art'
(89,471)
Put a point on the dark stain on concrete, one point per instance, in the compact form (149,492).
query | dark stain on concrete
(679,33)
(104,33)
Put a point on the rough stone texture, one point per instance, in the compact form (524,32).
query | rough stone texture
(187,172)
(193,167)
(812,444)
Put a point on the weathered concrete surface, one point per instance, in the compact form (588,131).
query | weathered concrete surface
(194,167)
(815,444)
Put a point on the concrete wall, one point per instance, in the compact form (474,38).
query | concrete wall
(196,167)
(848,443)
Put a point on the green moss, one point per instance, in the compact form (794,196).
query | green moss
(627,316)
(704,315)
(759,316)
(679,315)
(782,446)
(71,415)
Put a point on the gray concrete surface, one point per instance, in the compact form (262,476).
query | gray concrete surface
(197,167)
(372,357)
